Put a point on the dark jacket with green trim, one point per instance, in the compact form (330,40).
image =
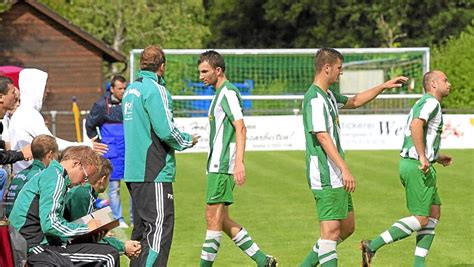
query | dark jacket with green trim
(38,210)
(19,181)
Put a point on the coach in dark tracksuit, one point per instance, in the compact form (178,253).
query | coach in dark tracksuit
(150,166)
(38,215)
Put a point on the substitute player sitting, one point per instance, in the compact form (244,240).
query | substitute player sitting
(80,202)
(44,149)
(38,214)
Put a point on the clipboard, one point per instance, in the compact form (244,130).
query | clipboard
(106,219)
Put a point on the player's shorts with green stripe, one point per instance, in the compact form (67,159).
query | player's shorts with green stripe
(420,188)
(332,203)
(219,188)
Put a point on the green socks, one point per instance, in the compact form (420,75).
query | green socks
(311,259)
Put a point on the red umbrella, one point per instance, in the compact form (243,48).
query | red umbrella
(11,72)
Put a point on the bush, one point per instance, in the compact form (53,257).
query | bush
(455,59)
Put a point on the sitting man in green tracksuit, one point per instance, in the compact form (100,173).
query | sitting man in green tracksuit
(44,149)
(38,214)
(80,202)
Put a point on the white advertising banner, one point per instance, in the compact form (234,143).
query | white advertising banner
(369,132)
(263,132)
(358,132)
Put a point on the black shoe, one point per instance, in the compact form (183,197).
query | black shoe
(367,253)
(271,261)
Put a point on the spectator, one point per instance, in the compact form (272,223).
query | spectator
(104,122)
(5,136)
(27,122)
(7,102)
(8,115)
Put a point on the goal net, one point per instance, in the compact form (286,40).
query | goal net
(273,81)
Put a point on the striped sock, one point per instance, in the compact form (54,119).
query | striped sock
(311,259)
(424,239)
(399,230)
(327,253)
(210,248)
(246,244)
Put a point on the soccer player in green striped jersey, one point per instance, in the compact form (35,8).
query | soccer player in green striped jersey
(225,165)
(419,153)
(328,176)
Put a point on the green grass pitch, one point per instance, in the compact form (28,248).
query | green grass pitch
(277,208)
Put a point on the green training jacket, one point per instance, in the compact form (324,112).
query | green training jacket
(38,210)
(19,181)
(151,137)
(80,202)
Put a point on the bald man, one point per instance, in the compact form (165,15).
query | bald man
(420,151)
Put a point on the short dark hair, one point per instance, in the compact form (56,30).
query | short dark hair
(4,82)
(42,145)
(214,59)
(428,78)
(151,58)
(119,78)
(325,56)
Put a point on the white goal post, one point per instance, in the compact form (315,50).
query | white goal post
(283,75)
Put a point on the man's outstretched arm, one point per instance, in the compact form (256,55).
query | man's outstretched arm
(365,97)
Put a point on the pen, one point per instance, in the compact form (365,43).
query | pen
(98,132)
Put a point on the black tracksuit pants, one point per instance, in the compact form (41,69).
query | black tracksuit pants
(84,254)
(153,221)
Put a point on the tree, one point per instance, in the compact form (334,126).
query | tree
(4,6)
(342,23)
(389,17)
(455,59)
(435,21)
(307,24)
(134,24)
(239,24)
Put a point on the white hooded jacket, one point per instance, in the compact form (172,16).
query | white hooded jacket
(27,121)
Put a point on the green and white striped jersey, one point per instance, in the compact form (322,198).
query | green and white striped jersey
(226,107)
(320,114)
(429,109)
